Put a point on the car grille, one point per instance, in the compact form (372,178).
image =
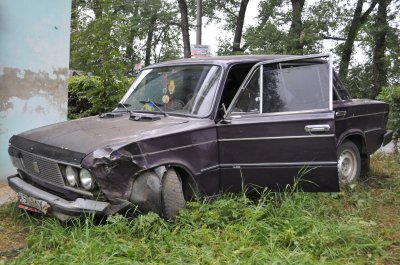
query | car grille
(41,167)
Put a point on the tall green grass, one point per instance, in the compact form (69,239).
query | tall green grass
(298,229)
(277,228)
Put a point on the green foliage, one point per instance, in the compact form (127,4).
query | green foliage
(229,230)
(352,227)
(96,42)
(271,34)
(359,81)
(109,36)
(391,95)
(89,95)
(357,226)
(273,44)
(107,39)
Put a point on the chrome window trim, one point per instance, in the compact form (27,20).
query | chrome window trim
(330,82)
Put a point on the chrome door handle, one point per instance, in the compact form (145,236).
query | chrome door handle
(341,114)
(317,128)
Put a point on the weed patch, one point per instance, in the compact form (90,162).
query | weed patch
(13,232)
(357,226)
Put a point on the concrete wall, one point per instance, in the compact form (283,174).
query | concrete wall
(34,58)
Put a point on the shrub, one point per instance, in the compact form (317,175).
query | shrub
(391,95)
(91,95)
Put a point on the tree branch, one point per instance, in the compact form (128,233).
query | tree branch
(226,9)
(365,16)
(333,38)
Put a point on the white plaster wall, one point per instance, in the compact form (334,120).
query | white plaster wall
(34,58)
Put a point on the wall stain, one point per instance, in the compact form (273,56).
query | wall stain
(25,84)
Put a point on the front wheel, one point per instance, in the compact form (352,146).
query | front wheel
(349,163)
(172,194)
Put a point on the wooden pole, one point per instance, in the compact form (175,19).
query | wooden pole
(199,22)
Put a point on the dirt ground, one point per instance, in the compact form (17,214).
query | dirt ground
(6,193)
(12,233)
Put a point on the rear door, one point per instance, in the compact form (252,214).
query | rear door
(280,127)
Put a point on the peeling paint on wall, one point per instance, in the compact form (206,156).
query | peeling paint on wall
(25,84)
(34,59)
(29,100)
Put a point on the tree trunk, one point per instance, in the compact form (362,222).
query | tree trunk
(239,26)
(132,35)
(75,14)
(379,68)
(348,46)
(149,40)
(296,33)
(97,8)
(185,28)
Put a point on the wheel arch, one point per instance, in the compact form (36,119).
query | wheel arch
(190,186)
(358,138)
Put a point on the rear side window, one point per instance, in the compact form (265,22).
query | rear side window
(296,88)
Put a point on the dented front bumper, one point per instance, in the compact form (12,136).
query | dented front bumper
(59,207)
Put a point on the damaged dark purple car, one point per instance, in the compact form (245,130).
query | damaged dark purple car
(202,126)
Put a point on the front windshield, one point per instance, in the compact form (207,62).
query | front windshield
(187,90)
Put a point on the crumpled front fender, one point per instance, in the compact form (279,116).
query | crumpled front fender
(114,171)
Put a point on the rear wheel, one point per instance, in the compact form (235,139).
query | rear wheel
(172,195)
(349,163)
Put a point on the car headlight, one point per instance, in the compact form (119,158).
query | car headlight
(71,174)
(86,178)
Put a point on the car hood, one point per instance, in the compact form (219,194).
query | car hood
(88,134)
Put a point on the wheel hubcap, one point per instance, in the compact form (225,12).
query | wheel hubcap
(347,166)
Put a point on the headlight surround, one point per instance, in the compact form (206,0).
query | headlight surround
(86,179)
(71,174)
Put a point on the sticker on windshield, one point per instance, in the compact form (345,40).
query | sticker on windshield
(149,106)
(165,99)
(171,87)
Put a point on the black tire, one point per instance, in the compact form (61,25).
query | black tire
(172,195)
(349,163)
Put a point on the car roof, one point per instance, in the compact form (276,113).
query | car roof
(221,60)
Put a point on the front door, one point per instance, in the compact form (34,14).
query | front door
(280,127)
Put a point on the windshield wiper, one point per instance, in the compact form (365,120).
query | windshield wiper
(124,106)
(155,105)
